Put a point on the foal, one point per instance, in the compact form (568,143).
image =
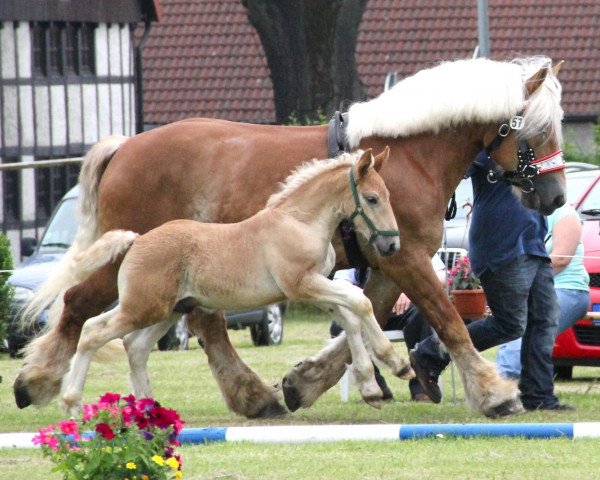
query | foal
(283,251)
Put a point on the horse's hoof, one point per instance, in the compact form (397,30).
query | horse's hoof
(271,410)
(406,373)
(22,397)
(506,409)
(374,401)
(291,395)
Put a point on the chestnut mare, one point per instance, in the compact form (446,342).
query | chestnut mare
(284,251)
(217,171)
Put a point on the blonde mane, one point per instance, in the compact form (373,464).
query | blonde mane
(306,172)
(451,93)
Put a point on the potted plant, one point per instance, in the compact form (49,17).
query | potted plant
(466,291)
(117,438)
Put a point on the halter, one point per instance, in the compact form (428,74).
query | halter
(528,167)
(358,210)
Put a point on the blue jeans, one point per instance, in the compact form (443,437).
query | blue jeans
(573,305)
(523,301)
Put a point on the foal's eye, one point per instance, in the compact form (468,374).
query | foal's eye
(371,199)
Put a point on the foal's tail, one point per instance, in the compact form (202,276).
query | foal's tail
(62,279)
(104,250)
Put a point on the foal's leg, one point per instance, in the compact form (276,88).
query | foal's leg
(96,332)
(244,392)
(317,288)
(139,345)
(310,378)
(47,357)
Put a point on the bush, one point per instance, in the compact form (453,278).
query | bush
(6,290)
(573,152)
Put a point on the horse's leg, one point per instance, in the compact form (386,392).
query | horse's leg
(96,332)
(485,390)
(244,392)
(139,345)
(310,378)
(47,357)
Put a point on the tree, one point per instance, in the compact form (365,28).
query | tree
(310,47)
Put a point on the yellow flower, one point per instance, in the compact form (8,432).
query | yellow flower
(173,463)
(130,465)
(158,460)
(178,475)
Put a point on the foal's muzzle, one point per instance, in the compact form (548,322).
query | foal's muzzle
(387,246)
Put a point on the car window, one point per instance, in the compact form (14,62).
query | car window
(577,185)
(592,199)
(62,228)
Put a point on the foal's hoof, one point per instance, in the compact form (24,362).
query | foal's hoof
(374,401)
(22,397)
(406,373)
(271,410)
(506,409)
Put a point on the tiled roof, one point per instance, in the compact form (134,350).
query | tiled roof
(204,59)
(408,35)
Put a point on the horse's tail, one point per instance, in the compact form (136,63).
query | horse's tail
(104,250)
(61,280)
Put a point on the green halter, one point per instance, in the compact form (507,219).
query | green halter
(358,210)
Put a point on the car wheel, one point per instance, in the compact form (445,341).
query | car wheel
(270,330)
(563,372)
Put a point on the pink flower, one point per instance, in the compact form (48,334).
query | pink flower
(45,436)
(70,427)
(89,411)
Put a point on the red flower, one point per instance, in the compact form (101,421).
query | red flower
(110,398)
(163,417)
(105,430)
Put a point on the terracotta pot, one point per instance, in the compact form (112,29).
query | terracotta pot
(470,304)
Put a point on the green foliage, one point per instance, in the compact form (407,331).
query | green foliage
(6,290)
(573,152)
(316,118)
(117,438)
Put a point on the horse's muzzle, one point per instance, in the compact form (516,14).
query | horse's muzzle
(387,246)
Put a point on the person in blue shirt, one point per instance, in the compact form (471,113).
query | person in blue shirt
(405,316)
(507,252)
(571,282)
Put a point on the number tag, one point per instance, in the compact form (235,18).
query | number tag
(517,123)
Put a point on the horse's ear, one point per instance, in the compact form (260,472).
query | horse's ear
(381,158)
(556,68)
(364,163)
(535,81)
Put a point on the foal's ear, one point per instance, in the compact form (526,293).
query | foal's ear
(381,158)
(535,81)
(364,163)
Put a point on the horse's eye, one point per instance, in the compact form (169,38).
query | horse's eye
(371,199)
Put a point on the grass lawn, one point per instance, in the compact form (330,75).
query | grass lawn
(182,381)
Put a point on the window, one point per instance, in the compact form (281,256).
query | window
(11,188)
(62,48)
(50,186)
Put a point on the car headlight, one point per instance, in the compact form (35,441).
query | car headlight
(22,294)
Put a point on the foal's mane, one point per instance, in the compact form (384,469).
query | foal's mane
(308,171)
(452,93)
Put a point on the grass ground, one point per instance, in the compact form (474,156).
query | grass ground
(182,380)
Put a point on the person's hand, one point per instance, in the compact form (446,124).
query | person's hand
(401,305)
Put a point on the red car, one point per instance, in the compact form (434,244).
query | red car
(580,344)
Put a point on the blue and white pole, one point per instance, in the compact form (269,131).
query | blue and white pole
(333,433)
